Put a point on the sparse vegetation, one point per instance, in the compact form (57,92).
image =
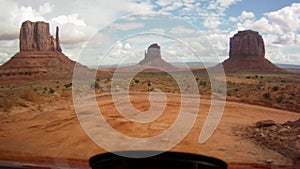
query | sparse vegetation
(68,85)
(51,91)
(275,88)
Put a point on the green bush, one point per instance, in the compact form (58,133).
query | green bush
(51,91)
(94,85)
(275,88)
(68,85)
(279,99)
(266,95)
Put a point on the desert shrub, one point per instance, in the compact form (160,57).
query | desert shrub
(279,99)
(266,95)
(256,76)
(248,77)
(68,85)
(51,91)
(275,88)
(202,83)
(136,80)
(45,89)
(283,81)
(29,95)
(94,85)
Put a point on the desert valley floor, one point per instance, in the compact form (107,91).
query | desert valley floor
(51,132)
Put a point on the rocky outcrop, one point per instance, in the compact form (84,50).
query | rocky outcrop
(35,36)
(283,138)
(40,56)
(153,59)
(246,43)
(152,53)
(247,54)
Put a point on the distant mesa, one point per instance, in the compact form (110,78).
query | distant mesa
(153,59)
(247,54)
(40,56)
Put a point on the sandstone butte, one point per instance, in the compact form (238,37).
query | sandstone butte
(247,54)
(153,59)
(40,56)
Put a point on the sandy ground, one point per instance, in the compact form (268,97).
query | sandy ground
(51,133)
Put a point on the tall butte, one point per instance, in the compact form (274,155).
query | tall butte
(40,56)
(247,54)
(153,59)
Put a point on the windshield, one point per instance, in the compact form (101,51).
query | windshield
(147,80)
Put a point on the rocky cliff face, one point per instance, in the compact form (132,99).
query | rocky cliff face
(40,56)
(35,36)
(246,43)
(153,59)
(247,54)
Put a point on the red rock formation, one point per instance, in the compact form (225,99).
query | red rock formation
(40,56)
(58,48)
(246,43)
(247,54)
(153,59)
(35,36)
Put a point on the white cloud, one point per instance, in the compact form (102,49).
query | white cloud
(72,18)
(13,14)
(211,22)
(126,26)
(182,31)
(221,5)
(164,3)
(157,30)
(289,38)
(45,8)
(244,15)
(72,29)
(3,57)
(287,18)
(121,52)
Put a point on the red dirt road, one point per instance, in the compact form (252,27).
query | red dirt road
(53,132)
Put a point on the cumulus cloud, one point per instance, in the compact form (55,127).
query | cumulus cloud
(13,14)
(244,15)
(126,26)
(212,22)
(182,31)
(157,30)
(287,18)
(72,29)
(120,50)
(3,57)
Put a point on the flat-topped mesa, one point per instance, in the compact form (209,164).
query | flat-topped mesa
(35,36)
(247,54)
(247,43)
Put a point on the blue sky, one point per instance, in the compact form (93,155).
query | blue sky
(181,27)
